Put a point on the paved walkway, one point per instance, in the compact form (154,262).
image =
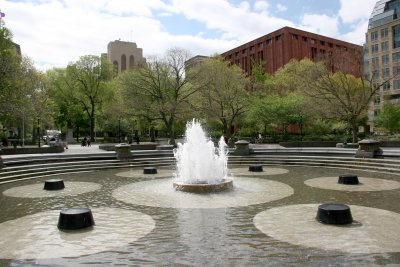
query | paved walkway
(94,148)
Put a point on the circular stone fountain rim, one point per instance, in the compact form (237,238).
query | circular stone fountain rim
(225,184)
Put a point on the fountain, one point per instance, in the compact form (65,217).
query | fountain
(201,168)
(267,218)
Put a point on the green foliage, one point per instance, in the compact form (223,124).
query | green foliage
(389,118)
(22,96)
(159,91)
(81,88)
(277,111)
(222,94)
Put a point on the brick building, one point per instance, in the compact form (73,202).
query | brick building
(279,47)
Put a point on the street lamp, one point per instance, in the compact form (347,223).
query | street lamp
(38,130)
(119,130)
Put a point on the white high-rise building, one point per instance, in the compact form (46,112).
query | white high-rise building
(382,55)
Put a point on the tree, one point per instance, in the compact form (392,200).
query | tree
(343,96)
(222,94)
(159,90)
(279,111)
(336,95)
(67,111)
(22,98)
(85,84)
(389,118)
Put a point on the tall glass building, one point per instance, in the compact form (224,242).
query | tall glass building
(382,55)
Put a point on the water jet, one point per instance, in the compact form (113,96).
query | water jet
(200,166)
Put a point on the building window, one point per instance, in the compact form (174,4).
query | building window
(385,73)
(304,39)
(131,62)
(396,57)
(294,37)
(312,41)
(375,75)
(269,41)
(386,86)
(396,36)
(260,45)
(374,48)
(260,56)
(374,36)
(375,62)
(396,84)
(385,46)
(252,48)
(244,51)
(322,42)
(384,33)
(123,62)
(279,37)
(330,45)
(396,71)
(385,59)
(236,53)
(313,52)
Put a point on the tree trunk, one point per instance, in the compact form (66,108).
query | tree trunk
(92,122)
(152,136)
(354,130)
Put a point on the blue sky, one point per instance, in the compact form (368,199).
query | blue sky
(56,32)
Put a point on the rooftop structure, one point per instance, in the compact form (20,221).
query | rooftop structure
(124,55)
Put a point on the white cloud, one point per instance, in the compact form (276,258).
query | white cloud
(281,8)
(351,11)
(261,6)
(235,22)
(56,32)
(321,24)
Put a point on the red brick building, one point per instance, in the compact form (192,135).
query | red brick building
(279,47)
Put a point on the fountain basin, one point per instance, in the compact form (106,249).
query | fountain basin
(334,214)
(75,218)
(54,184)
(226,184)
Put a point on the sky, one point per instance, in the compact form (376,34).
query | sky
(54,33)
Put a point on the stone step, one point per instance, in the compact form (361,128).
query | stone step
(45,171)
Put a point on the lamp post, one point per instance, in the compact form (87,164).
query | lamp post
(119,130)
(38,130)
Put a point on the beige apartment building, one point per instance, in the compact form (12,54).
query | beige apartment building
(382,55)
(124,55)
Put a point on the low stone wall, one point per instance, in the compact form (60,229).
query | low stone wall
(141,146)
(390,143)
(31,150)
(309,144)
